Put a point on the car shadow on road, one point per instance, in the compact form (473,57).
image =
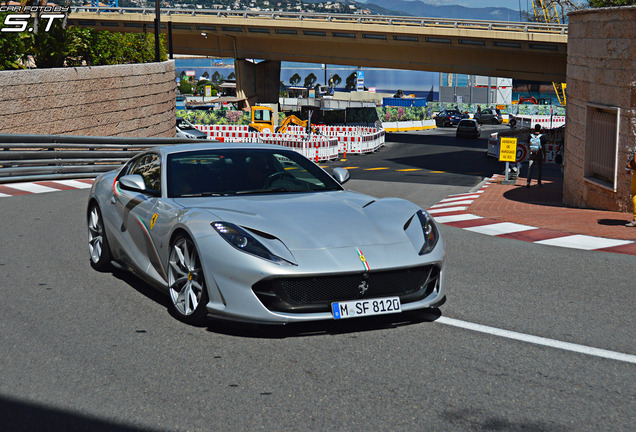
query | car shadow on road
(142,287)
(326,327)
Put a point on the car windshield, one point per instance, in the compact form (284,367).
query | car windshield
(222,172)
(467,123)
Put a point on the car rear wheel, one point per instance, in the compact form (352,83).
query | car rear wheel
(97,243)
(186,282)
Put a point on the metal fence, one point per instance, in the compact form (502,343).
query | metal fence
(56,157)
(527,27)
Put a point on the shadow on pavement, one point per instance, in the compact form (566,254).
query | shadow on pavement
(21,416)
(327,327)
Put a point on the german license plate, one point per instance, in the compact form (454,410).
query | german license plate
(359,308)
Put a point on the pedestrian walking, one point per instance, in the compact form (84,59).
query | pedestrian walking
(537,146)
(631,167)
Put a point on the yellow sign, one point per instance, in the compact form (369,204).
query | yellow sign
(501,107)
(208,91)
(508,150)
(153,220)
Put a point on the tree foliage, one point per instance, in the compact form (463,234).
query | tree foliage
(295,79)
(611,3)
(351,81)
(310,80)
(74,46)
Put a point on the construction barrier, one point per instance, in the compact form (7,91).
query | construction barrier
(546,121)
(332,140)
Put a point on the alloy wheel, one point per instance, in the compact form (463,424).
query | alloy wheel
(95,235)
(185,278)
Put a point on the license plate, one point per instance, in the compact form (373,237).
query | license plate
(358,308)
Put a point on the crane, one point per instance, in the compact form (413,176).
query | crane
(539,7)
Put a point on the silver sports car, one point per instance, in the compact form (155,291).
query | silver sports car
(259,233)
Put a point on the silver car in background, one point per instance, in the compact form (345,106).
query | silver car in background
(259,233)
(185,129)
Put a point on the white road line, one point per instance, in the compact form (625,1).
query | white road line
(500,228)
(32,187)
(74,183)
(445,209)
(459,198)
(480,191)
(567,346)
(579,241)
(456,218)
(453,203)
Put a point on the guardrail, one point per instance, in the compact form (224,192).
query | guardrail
(56,157)
(342,18)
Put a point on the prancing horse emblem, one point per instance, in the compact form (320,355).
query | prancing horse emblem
(363,287)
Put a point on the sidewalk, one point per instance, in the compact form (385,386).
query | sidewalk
(537,214)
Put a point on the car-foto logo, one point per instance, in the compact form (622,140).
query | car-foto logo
(23,18)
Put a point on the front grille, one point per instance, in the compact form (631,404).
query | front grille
(315,294)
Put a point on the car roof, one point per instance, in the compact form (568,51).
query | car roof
(181,148)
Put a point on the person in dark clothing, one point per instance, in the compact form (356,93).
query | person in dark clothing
(537,149)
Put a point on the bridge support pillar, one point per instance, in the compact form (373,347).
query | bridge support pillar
(257,82)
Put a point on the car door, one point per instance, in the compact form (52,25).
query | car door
(138,214)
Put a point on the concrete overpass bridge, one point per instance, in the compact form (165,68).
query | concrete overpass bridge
(529,51)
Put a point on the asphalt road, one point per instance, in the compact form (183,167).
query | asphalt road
(88,351)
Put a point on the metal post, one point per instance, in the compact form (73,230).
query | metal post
(157,30)
(170,49)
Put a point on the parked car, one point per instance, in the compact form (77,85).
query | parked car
(448,118)
(185,129)
(489,116)
(468,128)
(259,233)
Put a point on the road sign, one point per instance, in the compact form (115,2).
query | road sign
(359,80)
(508,150)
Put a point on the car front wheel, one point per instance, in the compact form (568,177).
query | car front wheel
(97,242)
(186,282)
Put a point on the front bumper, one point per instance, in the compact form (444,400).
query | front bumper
(248,289)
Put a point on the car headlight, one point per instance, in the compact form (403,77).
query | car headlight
(244,241)
(431,235)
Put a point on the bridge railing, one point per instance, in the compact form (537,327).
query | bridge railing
(57,157)
(532,27)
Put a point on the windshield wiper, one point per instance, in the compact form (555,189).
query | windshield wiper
(203,194)
(264,191)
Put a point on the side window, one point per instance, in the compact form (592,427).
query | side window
(149,167)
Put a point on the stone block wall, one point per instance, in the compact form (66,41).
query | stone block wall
(133,100)
(601,70)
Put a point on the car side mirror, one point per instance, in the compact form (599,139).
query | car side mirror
(341,175)
(133,182)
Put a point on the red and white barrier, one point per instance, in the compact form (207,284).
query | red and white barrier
(332,140)
(546,121)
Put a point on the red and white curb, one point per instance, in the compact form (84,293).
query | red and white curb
(452,211)
(14,189)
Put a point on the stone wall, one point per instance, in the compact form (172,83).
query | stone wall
(601,70)
(134,100)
